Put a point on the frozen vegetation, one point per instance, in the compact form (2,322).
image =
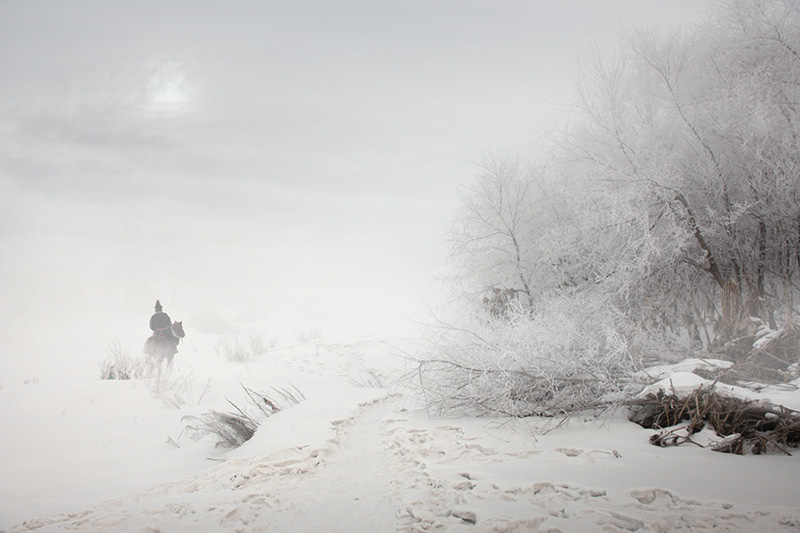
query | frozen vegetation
(621,350)
(359,452)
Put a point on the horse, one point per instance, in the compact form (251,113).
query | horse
(161,348)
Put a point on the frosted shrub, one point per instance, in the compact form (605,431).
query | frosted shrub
(234,428)
(178,389)
(120,364)
(568,356)
(258,343)
(237,350)
(307,335)
(233,350)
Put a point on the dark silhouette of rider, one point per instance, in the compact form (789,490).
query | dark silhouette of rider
(161,324)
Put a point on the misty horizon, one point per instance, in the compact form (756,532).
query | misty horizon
(263,164)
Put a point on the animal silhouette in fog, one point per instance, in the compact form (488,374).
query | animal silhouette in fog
(163,343)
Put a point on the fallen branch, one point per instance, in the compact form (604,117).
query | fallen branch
(747,426)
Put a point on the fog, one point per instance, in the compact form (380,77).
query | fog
(281,165)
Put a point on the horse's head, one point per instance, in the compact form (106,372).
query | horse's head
(177,329)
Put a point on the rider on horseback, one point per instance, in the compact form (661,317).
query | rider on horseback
(161,324)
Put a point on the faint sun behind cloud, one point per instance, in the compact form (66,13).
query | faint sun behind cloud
(168,88)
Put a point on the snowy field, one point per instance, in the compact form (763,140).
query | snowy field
(358,454)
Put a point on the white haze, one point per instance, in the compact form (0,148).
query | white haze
(276,165)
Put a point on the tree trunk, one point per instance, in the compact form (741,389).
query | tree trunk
(713,269)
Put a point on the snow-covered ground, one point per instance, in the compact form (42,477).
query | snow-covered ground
(358,454)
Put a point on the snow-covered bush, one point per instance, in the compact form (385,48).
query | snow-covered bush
(177,389)
(310,334)
(242,350)
(120,364)
(567,357)
(234,428)
(257,342)
(233,350)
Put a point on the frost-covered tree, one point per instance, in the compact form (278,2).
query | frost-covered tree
(692,142)
(491,242)
(669,208)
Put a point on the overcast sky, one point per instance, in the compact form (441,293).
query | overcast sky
(253,161)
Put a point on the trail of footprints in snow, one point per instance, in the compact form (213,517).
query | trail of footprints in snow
(450,500)
(436,492)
